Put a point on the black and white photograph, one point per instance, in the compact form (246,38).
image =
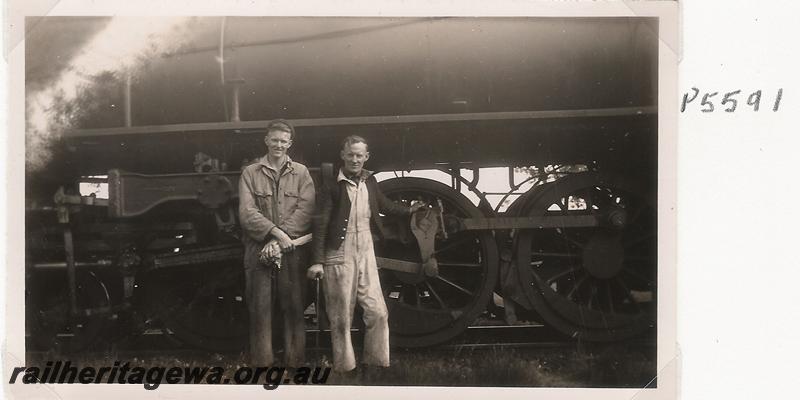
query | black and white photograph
(347,201)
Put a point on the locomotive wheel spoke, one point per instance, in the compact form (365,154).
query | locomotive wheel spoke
(467,292)
(436,295)
(592,295)
(577,286)
(562,274)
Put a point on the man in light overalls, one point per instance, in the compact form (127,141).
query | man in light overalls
(343,254)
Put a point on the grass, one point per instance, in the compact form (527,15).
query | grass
(511,367)
(599,366)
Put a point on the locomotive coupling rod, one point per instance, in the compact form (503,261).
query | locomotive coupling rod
(539,222)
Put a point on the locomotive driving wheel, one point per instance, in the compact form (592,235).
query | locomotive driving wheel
(596,283)
(423,309)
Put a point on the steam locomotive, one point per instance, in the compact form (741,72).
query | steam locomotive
(132,216)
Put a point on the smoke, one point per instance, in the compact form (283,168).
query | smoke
(120,48)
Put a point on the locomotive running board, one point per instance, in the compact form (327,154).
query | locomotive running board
(259,126)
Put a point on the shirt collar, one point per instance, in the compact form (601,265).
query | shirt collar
(263,161)
(363,177)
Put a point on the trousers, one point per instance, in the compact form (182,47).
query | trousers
(266,286)
(351,277)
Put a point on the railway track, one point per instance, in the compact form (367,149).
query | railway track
(161,342)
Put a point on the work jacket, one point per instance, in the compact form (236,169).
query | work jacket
(333,211)
(265,203)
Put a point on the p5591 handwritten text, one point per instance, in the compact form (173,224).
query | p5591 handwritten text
(730,101)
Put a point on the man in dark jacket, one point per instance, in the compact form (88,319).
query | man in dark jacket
(343,254)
